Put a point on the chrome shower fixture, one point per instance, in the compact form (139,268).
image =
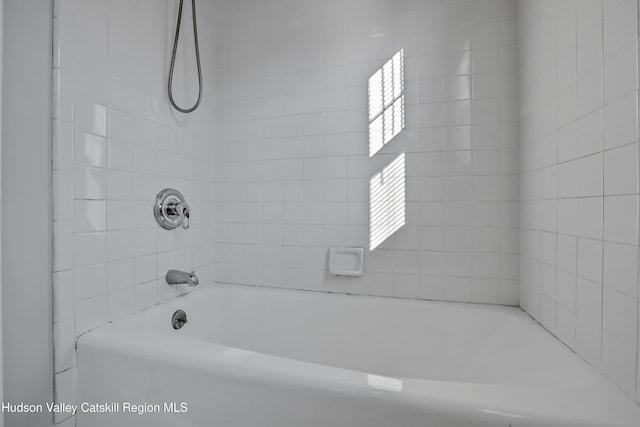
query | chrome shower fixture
(171,210)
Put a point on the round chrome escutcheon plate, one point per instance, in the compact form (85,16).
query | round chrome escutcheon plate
(164,208)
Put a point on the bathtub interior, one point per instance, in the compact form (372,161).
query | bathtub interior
(470,343)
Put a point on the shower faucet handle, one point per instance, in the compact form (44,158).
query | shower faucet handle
(171,210)
(184,211)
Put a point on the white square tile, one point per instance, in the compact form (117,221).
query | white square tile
(621,72)
(145,132)
(121,275)
(489,239)
(145,268)
(146,295)
(62,195)
(566,65)
(638,381)
(568,142)
(590,92)
(568,216)
(485,291)
(65,390)
(618,363)
(89,150)
(91,313)
(589,43)
(121,303)
(93,18)
(567,179)
(621,121)
(146,159)
(620,268)
(487,214)
(486,265)
(167,139)
(90,215)
(619,314)
(588,321)
(547,313)
(121,185)
(119,215)
(565,325)
(63,296)
(620,25)
(90,281)
(120,245)
(567,253)
(64,337)
(89,183)
(63,245)
(62,151)
(90,248)
(406,286)
(590,259)
(458,288)
(91,117)
(621,219)
(458,163)
(566,290)
(121,126)
(432,287)
(590,133)
(121,155)
(621,170)
(590,210)
(590,176)
(407,262)
(458,264)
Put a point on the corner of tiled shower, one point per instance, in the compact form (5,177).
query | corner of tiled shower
(579,179)
(501,208)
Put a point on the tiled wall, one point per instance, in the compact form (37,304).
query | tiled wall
(293,167)
(579,178)
(116,144)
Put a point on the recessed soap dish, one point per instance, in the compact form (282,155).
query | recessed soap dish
(346,261)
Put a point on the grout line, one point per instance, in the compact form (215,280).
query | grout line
(575,278)
(602,189)
(637,381)
(555,132)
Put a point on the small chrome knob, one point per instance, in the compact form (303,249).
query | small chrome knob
(178,319)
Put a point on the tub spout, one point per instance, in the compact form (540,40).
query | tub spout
(177,277)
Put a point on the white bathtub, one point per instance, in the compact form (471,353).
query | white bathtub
(277,358)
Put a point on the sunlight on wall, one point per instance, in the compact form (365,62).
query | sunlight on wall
(386,103)
(386,202)
(386,120)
